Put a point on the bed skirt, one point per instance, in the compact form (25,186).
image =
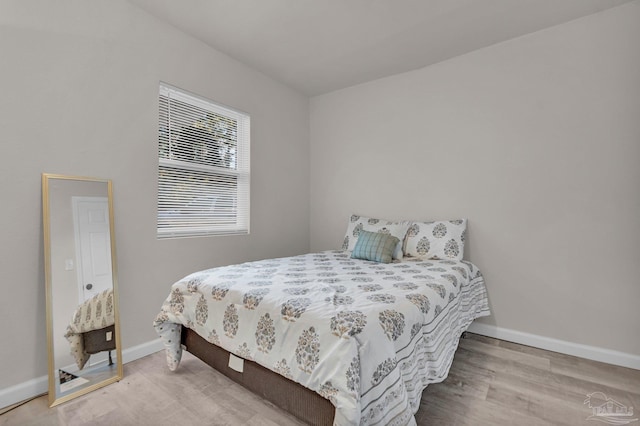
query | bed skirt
(103,339)
(292,397)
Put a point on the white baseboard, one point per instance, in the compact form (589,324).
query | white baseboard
(594,353)
(23,391)
(142,350)
(39,386)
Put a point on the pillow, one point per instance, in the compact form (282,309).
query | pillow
(376,246)
(361,223)
(436,240)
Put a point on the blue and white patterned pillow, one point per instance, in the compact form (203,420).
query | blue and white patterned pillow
(436,240)
(375,246)
(361,223)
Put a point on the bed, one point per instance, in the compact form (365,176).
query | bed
(92,328)
(331,338)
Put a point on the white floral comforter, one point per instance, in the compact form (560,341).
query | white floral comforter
(367,336)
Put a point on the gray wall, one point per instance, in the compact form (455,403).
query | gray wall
(79,83)
(536,142)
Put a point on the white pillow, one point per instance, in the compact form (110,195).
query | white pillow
(359,223)
(436,240)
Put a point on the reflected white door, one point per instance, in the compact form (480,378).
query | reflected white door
(93,245)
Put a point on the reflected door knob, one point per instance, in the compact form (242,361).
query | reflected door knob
(89,286)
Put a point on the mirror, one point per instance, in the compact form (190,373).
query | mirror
(83,329)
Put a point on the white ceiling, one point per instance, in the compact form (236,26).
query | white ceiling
(317,46)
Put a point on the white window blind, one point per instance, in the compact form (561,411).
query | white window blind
(203,167)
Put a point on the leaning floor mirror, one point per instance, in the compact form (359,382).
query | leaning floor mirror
(83,329)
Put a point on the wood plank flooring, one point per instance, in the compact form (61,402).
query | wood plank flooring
(491,382)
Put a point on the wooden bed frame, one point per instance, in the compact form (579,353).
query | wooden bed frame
(292,397)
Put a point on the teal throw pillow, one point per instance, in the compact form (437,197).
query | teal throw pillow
(375,246)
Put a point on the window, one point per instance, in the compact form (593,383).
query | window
(203,167)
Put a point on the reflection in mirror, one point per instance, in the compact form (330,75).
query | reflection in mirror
(83,331)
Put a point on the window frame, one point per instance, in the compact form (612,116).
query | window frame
(197,172)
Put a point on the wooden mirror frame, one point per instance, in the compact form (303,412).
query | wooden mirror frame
(54,398)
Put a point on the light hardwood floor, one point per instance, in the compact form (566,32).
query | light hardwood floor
(491,382)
